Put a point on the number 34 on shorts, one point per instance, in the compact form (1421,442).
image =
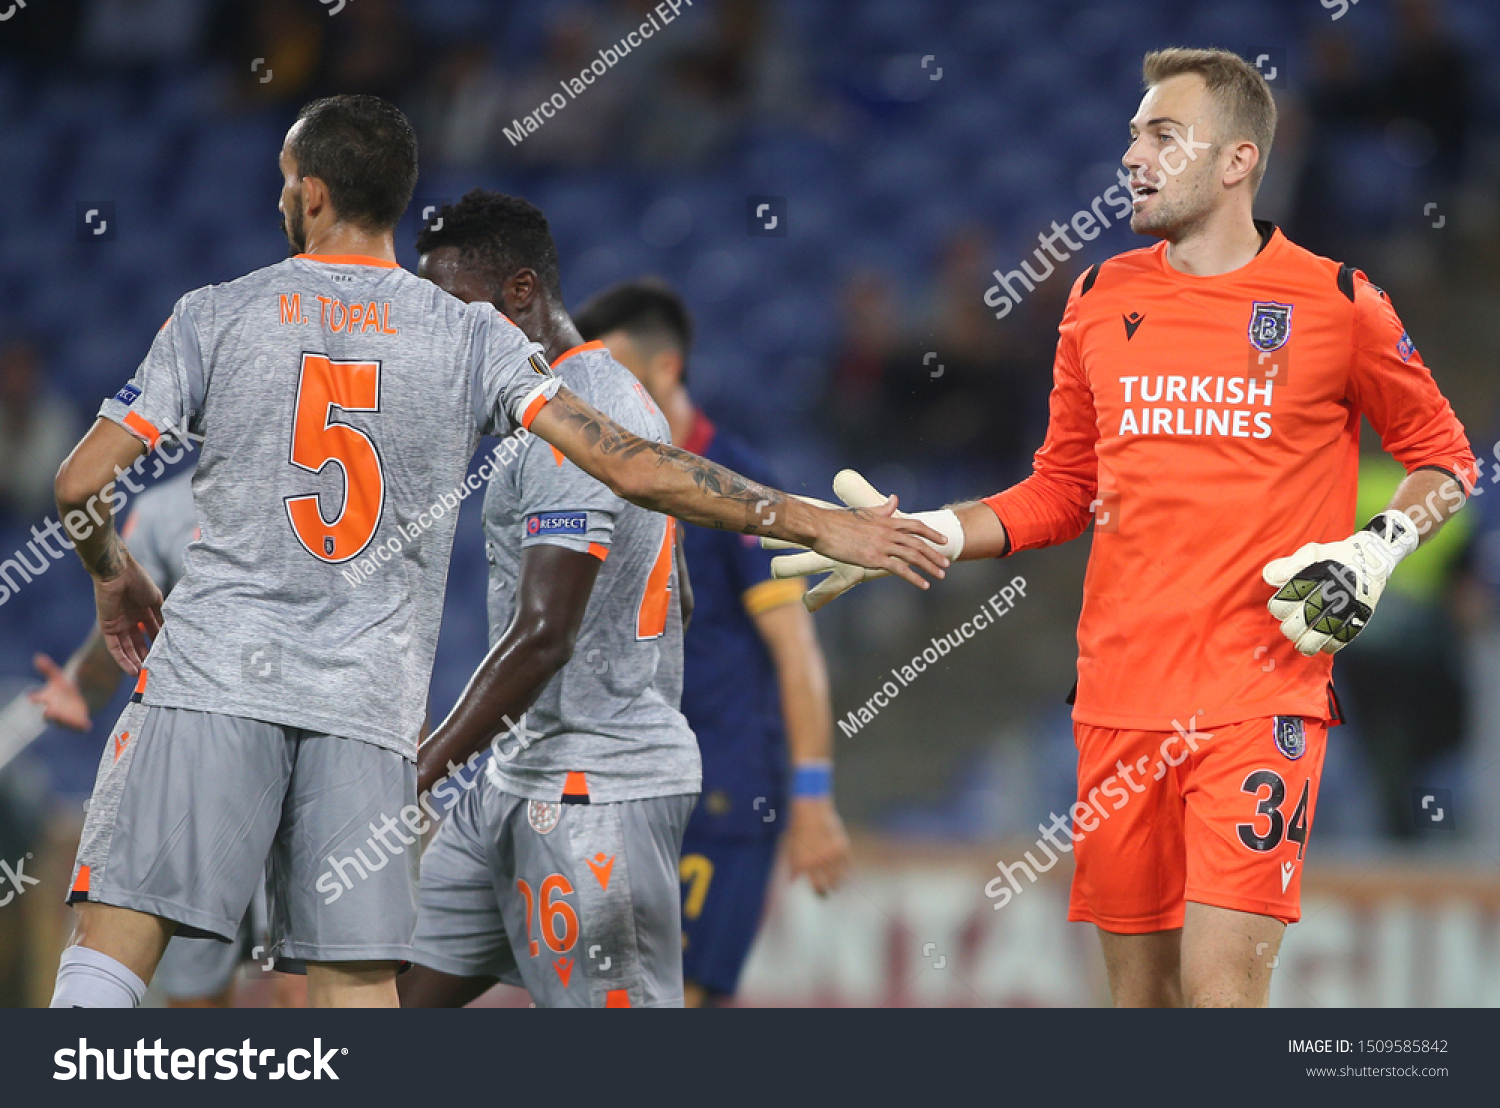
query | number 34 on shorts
(1262,783)
(1223,820)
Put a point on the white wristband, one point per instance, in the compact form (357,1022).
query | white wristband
(946,521)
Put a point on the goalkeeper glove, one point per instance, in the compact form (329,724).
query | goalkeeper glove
(1326,592)
(855,492)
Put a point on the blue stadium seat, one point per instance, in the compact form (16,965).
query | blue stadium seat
(124,158)
(28,155)
(66,106)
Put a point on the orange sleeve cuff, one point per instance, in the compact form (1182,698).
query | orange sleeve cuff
(142,429)
(1035,518)
(538,402)
(1463,468)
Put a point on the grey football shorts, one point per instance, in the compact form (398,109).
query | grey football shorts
(579,903)
(190,810)
(193,969)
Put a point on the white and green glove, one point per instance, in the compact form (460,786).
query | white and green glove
(855,492)
(1326,592)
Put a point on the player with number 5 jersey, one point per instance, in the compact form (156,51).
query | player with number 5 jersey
(339,398)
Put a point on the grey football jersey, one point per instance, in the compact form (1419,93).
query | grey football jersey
(161,523)
(611,713)
(339,402)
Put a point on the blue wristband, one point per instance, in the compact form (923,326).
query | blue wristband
(814,779)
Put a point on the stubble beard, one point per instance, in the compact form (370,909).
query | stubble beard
(295,230)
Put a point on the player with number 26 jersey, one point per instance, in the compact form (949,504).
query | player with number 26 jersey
(587,797)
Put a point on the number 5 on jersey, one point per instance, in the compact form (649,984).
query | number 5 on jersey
(324,388)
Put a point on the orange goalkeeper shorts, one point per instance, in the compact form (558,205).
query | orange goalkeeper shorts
(1218,817)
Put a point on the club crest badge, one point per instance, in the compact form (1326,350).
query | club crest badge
(1270,325)
(543,814)
(1291,736)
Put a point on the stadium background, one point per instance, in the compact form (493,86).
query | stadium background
(909,149)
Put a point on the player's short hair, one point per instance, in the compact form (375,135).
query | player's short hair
(497,233)
(1237,87)
(647,309)
(365,151)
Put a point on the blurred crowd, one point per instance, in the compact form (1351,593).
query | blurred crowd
(681,103)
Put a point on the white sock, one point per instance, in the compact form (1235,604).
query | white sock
(88,979)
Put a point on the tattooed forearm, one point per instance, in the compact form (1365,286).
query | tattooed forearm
(105,558)
(758,502)
(667,479)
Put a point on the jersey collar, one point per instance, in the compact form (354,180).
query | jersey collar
(348,259)
(579,349)
(1271,242)
(1267,231)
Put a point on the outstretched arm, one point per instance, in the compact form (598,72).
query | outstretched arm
(984,534)
(551,597)
(666,479)
(1053,505)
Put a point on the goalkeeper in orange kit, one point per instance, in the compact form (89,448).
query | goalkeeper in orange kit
(1205,413)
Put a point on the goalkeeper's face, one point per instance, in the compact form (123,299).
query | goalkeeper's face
(1173,159)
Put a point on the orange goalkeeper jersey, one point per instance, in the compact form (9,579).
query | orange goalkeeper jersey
(1209,425)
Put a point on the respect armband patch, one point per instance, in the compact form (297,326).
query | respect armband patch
(557,523)
(129,394)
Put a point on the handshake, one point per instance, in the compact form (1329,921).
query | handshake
(1325,592)
(856,493)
